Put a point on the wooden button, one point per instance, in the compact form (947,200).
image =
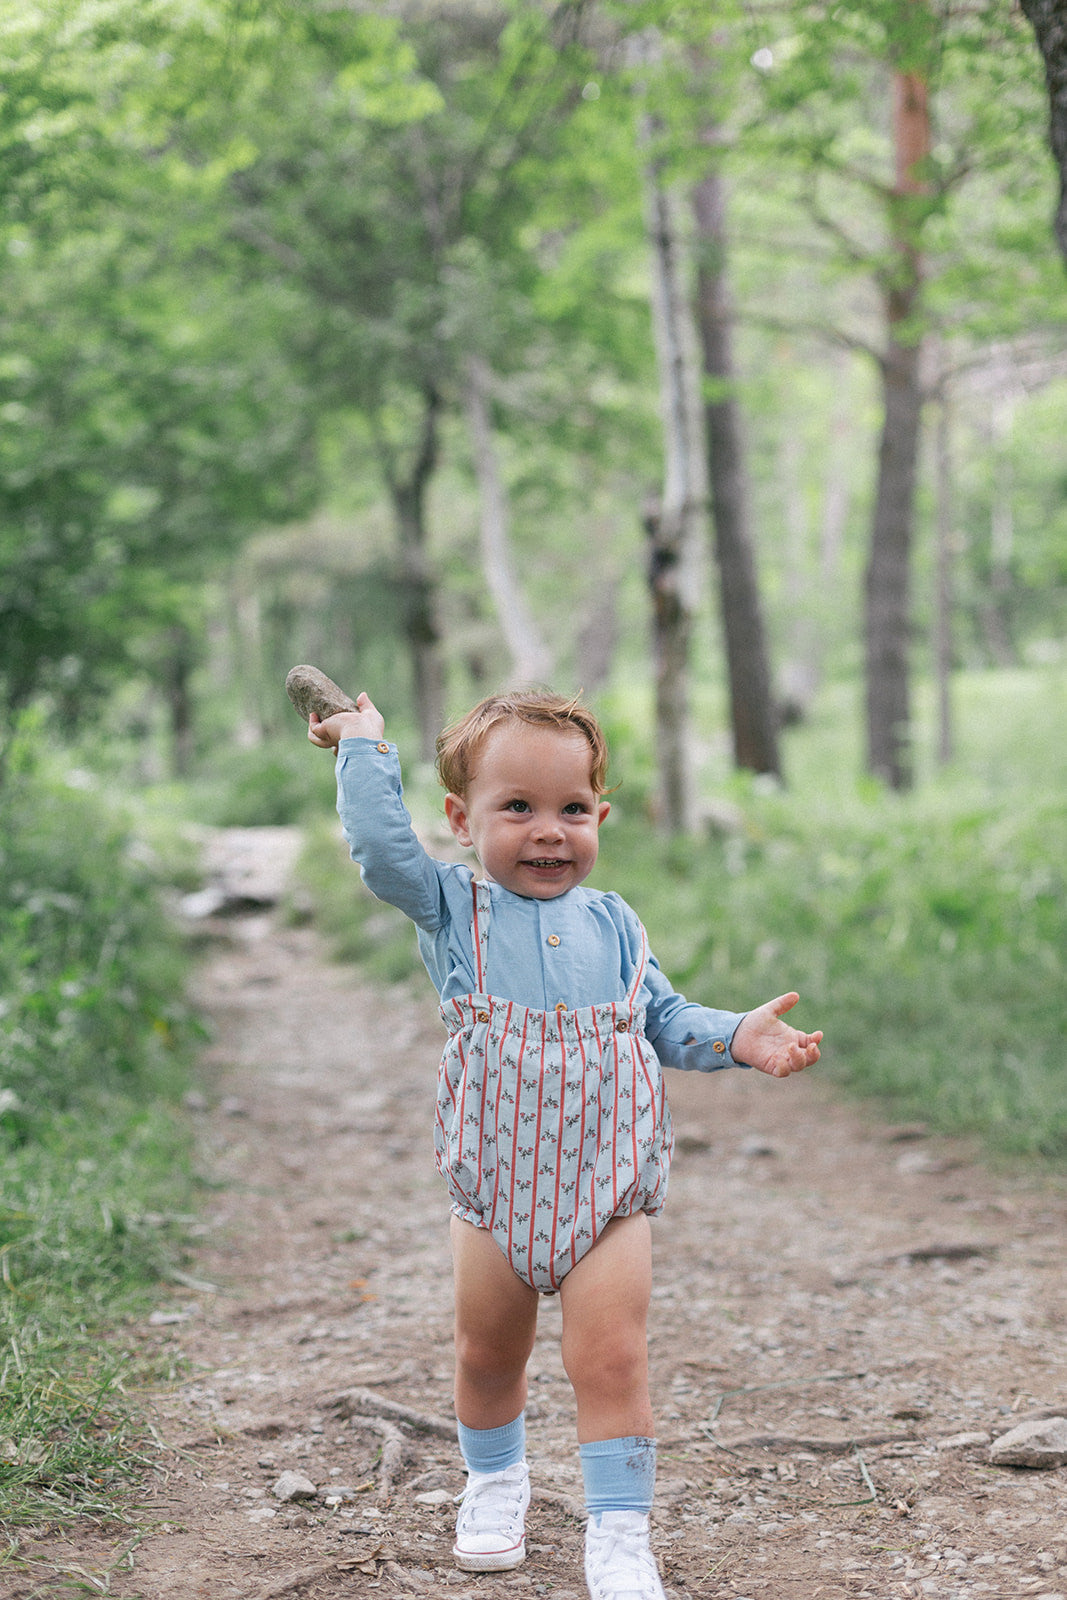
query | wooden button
(384,748)
(719,1048)
(623,1026)
(553,939)
(561,1005)
(482,1016)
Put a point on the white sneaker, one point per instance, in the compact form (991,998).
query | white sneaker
(619,1564)
(489,1529)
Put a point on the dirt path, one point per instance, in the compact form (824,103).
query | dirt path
(844,1316)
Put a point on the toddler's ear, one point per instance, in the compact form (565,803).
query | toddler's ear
(456,814)
(602,810)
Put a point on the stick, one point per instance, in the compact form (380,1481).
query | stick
(365,1403)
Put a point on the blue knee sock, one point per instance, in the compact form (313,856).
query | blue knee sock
(493,1449)
(620,1475)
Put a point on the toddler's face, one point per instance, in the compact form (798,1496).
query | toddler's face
(530,811)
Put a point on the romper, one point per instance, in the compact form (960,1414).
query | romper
(549,1123)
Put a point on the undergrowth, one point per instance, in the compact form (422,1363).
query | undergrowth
(96,1176)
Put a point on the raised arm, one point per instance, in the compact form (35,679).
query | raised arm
(374,819)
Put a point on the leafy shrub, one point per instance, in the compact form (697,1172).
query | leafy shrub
(95,1162)
(272,785)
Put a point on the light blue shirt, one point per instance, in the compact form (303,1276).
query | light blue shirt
(581,948)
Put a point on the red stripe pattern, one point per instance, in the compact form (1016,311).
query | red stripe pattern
(549,1123)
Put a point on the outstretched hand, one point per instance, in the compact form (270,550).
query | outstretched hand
(764,1041)
(366,722)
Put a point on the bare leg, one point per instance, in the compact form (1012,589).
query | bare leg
(496,1321)
(605,1301)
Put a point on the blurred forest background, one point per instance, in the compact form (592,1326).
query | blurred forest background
(709,359)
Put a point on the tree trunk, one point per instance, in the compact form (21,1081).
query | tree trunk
(943,600)
(752,711)
(671,524)
(408,495)
(1049,21)
(996,610)
(531,661)
(671,634)
(888,604)
(178,662)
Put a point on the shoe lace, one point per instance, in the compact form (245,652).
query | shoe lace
(623,1567)
(490,1504)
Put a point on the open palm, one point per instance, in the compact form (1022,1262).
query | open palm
(764,1041)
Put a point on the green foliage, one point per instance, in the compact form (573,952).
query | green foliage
(272,785)
(90,977)
(925,936)
(146,423)
(93,1038)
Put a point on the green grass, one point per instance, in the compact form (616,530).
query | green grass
(96,1173)
(926,933)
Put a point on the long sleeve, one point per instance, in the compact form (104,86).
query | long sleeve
(379,832)
(684,1035)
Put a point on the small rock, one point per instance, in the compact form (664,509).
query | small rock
(294,1486)
(756,1145)
(434,1497)
(311,690)
(1041,1443)
(961,1441)
(691,1140)
(164,1319)
(920,1161)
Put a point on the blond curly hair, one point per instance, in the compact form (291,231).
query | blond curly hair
(459,744)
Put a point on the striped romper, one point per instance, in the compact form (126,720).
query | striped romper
(549,1123)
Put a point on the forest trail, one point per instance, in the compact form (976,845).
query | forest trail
(845,1314)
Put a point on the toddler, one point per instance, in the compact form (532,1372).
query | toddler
(552,1130)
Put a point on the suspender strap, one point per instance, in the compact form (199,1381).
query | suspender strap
(479,930)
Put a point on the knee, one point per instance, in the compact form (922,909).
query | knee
(612,1364)
(487,1360)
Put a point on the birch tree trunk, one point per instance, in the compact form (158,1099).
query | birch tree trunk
(887,588)
(531,660)
(407,491)
(672,524)
(752,712)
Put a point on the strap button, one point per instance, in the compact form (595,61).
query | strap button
(481,1016)
(719,1048)
(553,939)
(622,1026)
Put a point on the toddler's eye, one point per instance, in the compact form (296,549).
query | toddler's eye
(517,805)
(575,809)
